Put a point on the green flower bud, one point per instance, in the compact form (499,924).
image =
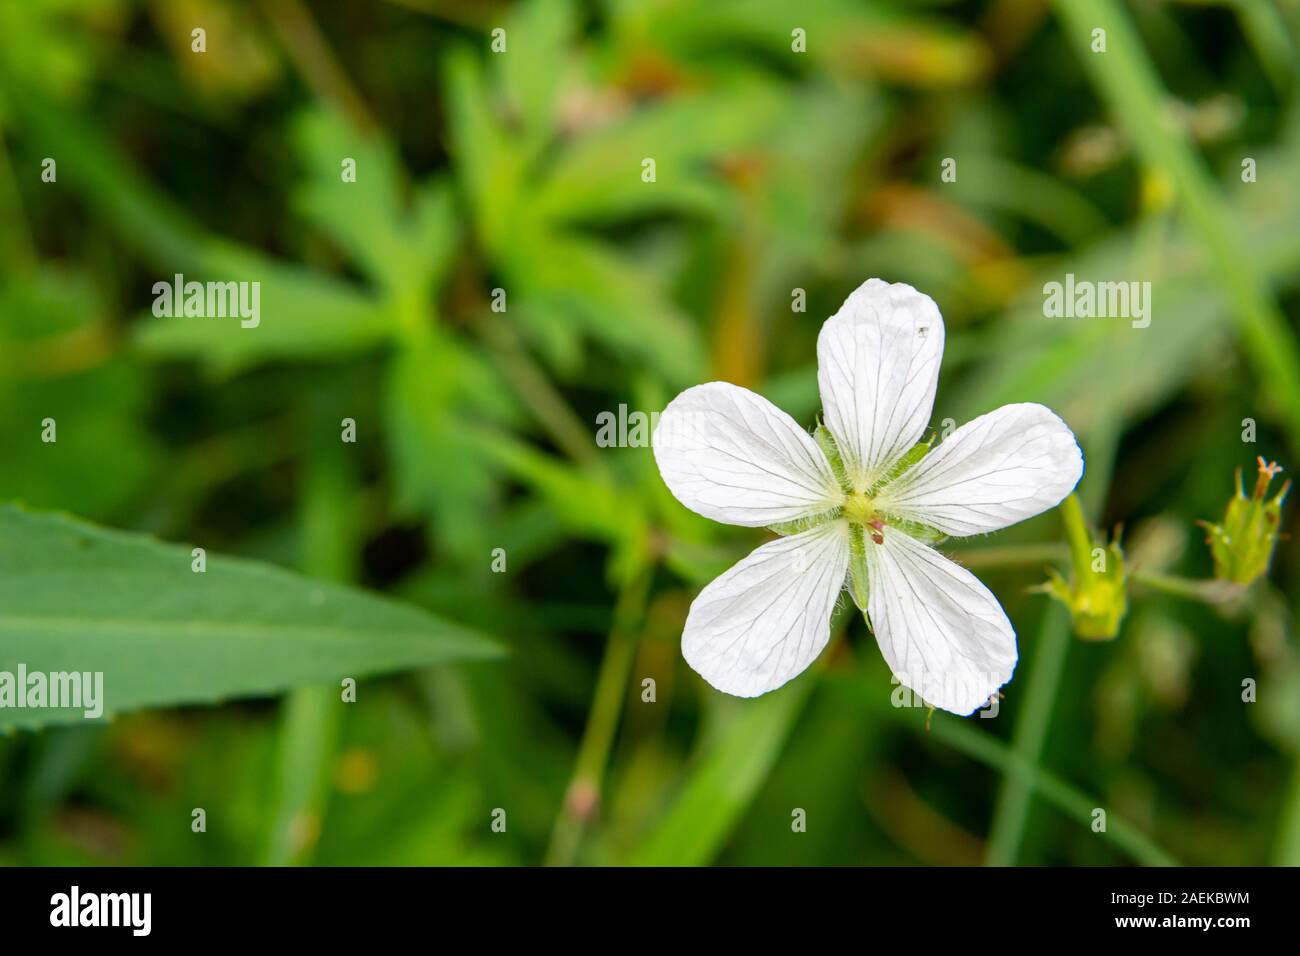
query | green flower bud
(1242,546)
(1096,591)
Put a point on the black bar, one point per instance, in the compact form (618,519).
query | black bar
(542,907)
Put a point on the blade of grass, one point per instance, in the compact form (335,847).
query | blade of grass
(724,781)
(730,767)
(962,736)
(309,726)
(1011,813)
(1072,801)
(1127,81)
(1266,30)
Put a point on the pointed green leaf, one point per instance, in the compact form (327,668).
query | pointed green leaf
(75,597)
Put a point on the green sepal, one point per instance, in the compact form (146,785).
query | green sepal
(1096,592)
(858,566)
(806,523)
(921,532)
(913,455)
(826,442)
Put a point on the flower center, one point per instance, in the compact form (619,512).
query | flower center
(860,509)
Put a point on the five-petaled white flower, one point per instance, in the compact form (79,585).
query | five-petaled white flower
(859,503)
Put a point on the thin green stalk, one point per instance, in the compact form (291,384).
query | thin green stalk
(730,766)
(582,796)
(311,717)
(545,402)
(1033,722)
(1008,555)
(315,61)
(309,724)
(1076,532)
(1193,589)
(1011,813)
(1265,29)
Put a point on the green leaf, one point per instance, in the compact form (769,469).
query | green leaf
(489,171)
(302,315)
(432,394)
(403,246)
(539,33)
(587,501)
(75,597)
(598,177)
(58,45)
(615,302)
(56,363)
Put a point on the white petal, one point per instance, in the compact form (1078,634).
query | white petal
(733,456)
(768,617)
(1003,467)
(877,366)
(941,631)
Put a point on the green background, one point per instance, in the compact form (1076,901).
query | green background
(521,170)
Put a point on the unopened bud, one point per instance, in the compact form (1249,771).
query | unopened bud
(1242,546)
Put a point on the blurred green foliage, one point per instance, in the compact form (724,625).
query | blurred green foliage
(521,171)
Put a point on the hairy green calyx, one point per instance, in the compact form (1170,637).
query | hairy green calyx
(860,509)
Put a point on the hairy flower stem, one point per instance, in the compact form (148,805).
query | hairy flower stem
(582,796)
(1077,535)
(1008,555)
(1209,591)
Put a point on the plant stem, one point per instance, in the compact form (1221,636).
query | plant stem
(1011,813)
(1076,532)
(1008,555)
(1066,797)
(311,717)
(1210,591)
(582,796)
(311,55)
(309,724)
(553,413)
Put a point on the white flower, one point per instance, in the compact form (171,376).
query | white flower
(859,503)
